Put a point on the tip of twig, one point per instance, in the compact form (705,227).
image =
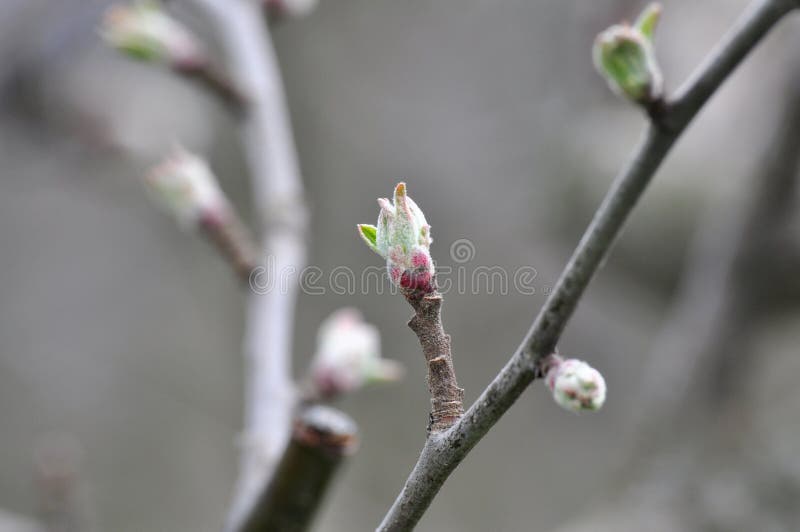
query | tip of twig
(326,428)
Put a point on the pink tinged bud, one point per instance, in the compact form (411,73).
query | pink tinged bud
(185,187)
(576,386)
(348,356)
(145,31)
(402,236)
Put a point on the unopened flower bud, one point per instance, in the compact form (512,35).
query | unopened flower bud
(625,56)
(185,186)
(349,356)
(576,386)
(145,31)
(403,238)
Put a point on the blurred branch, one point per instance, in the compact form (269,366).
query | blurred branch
(278,194)
(216,82)
(443,452)
(322,438)
(233,241)
(144,30)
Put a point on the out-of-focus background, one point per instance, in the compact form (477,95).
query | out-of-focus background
(121,334)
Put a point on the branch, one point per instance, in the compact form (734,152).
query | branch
(233,242)
(443,452)
(321,439)
(145,31)
(447,399)
(206,75)
(278,192)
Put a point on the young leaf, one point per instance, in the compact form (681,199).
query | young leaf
(369,233)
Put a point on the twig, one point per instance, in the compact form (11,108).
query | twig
(278,194)
(233,241)
(321,439)
(447,399)
(443,452)
(205,74)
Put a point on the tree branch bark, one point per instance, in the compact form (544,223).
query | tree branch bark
(322,437)
(444,451)
(447,399)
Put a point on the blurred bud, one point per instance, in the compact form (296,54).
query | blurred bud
(185,186)
(403,238)
(576,386)
(145,31)
(348,356)
(278,9)
(625,56)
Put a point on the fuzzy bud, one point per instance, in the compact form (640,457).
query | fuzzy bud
(348,356)
(403,238)
(576,386)
(145,31)
(185,186)
(625,56)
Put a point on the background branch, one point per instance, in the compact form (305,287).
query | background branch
(278,194)
(208,76)
(442,453)
(322,437)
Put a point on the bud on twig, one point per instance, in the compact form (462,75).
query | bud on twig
(145,31)
(625,56)
(185,186)
(403,238)
(348,356)
(576,386)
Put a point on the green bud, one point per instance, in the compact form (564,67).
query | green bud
(146,32)
(625,56)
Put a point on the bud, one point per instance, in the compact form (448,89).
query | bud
(145,31)
(403,238)
(185,186)
(576,386)
(348,356)
(625,56)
